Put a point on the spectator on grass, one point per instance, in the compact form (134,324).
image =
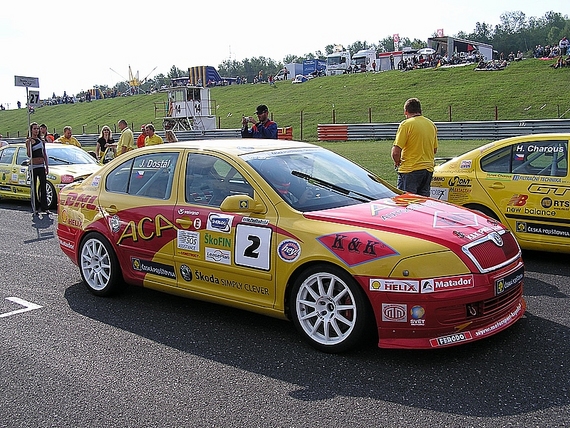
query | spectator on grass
(563,46)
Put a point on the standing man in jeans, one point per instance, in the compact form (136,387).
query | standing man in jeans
(414,150)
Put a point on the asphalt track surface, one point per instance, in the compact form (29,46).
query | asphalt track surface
(146,359)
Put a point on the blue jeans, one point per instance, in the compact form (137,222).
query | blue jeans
(417,182)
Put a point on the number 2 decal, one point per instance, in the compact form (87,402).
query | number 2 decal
(252,250)
(253,244)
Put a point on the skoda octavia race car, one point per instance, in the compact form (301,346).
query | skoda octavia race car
(292,230)
(521,181)
(66,165)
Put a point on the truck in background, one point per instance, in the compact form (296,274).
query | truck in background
(338,61)
(292,68)
(364,60)
(314,67)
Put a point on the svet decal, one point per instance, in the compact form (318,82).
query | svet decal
(417,314)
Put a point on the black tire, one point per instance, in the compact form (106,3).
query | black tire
(99,266)
(51,196)
(329,309)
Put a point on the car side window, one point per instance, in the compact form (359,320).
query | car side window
(149,175)
(7,155)
(497,161)
(547,158)
(22,156)
(209,180)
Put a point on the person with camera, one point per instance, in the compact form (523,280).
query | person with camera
(263,128)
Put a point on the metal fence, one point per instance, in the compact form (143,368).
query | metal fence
(483,130)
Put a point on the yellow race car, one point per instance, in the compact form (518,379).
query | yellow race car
(292,230)
(522,181)
(67,164)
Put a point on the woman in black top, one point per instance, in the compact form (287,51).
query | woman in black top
(105,141)
(39,163)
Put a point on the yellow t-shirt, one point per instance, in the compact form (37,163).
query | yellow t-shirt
(153,141)
(417,137)
(126,140)
(71,140)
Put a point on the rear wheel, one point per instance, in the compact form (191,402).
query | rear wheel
(98,265)
(329,309)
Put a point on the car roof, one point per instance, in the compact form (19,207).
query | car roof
(235,147)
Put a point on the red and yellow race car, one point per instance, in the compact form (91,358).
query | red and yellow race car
(292,230)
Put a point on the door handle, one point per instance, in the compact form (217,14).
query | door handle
(112,209)
(184,223)
(497,186)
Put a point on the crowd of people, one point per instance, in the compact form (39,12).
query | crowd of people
(105,141)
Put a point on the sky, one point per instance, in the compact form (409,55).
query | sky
(72,46)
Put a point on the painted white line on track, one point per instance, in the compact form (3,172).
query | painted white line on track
(28,306)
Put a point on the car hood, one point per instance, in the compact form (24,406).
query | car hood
(79,170)
(424,218)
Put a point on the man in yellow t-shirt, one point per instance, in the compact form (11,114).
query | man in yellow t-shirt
(67,138)
(126,140)
(414,150)
(151,138)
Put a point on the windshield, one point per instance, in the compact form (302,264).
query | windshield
(68,155)
(316,178)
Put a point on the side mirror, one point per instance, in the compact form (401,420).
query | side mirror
(242,204)
(26,162)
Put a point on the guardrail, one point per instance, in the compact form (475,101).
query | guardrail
(91,139)
(491,130)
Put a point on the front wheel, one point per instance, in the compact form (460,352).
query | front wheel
(51,196)
(98,265)
(329,309)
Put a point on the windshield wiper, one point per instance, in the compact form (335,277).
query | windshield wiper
(333,187)
(59,160)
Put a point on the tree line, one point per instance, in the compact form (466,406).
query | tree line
(515,32)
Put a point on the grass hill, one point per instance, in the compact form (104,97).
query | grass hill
(528,89)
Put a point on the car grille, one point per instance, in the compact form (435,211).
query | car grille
(488,255)
(476,311)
